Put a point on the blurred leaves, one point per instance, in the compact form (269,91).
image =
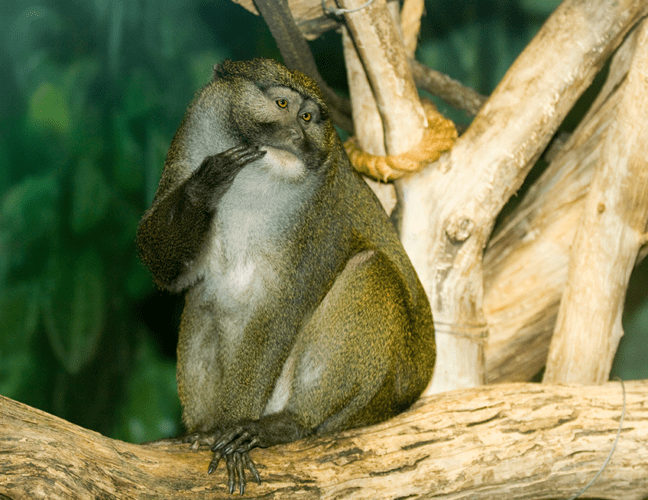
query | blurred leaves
(74,308)
(151,409)
(48,108)
(29,219)
(91,196)
(92,95)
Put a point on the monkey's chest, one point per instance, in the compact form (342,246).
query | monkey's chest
(250,250)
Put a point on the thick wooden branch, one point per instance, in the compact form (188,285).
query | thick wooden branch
(514,441)
(449,210)
(380,48)
(607,241)
(366,117)
(526,261)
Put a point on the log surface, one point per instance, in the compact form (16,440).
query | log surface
(516,441)
(607,241)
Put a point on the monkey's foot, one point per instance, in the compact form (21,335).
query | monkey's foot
(234,445)
(236,463)
(198,439)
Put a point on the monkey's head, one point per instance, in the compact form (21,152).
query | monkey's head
(273,106)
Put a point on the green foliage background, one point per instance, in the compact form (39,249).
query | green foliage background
(91,95)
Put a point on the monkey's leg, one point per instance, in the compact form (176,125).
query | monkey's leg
(361,358)
(365,355)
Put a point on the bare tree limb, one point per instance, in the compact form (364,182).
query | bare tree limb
(526,261)
(514,441)
(410,24)
(451,91)
(380,48)
(607,241)
(450,209)
(366,117)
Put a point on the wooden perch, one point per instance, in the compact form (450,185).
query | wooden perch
(513,441)
(607,241)
(526,261)
(449,210)
(380,48)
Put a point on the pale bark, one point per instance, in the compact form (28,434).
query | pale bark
(449,209)
(379,45)
(366,118)
(526,261)
(515,441)
(410,24)
(302,10)
(607,241)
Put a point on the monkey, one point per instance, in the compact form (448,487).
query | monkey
(303,314)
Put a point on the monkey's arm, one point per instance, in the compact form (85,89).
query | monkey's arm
(173,231)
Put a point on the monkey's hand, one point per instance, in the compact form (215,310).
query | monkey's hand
(236,463)
(173,232)
(218,171)
(234,444)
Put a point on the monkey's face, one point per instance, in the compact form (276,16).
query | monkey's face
(283,119)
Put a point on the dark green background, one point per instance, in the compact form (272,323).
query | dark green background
(90,96)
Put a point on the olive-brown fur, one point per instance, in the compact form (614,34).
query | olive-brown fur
(303,314)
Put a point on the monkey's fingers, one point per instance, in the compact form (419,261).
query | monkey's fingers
(236,444)
(251,156)
(241,155)
(214,462)
(251,467)
(198,439)
(227,438)
(240,472)
(231,473)
(244,448)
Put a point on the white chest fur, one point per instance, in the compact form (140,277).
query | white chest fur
(243,261)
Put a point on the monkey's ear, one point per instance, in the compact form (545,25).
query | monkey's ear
(218,70)
(226,68)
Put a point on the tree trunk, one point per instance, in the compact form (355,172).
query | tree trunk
(450,208)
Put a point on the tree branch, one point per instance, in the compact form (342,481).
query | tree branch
(526,261)
(514,441)
(451,207)
(607,241)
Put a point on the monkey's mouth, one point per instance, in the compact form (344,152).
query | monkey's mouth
(282,161)
(278,147)
(279,152)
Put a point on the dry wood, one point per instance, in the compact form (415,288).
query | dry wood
(514,441)
(526,262)
(302,10)
(380,47)
(607,241)
(451,91)
(366,118)
(449,210)
(411,14)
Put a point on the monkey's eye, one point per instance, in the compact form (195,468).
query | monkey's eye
(306,117)
(282,103)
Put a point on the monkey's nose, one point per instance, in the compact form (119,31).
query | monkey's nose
(296,134)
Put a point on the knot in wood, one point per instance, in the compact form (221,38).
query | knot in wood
(439,136)
(459,228)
